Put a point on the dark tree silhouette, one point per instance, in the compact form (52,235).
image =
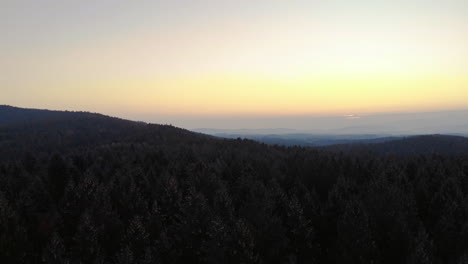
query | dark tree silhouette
(85,188)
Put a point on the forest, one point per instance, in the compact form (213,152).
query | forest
(79,187)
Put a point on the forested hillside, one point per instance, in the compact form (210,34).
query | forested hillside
(85,188)
(13,115)
(412,145)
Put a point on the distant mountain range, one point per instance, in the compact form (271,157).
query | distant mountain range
(310,140)
(396,124)
(353,129)
(345,141)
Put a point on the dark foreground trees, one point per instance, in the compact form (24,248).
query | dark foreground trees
(161,195)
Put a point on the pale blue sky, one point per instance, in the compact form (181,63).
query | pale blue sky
(153,59)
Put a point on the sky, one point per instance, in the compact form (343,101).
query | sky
(183,61)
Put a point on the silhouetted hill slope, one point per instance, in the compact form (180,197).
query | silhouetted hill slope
(310,140)
(414,145)
(48,131)
(86,188)
(10,115)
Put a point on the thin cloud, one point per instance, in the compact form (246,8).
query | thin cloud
(352,116)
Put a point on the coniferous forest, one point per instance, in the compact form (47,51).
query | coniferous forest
(85,188)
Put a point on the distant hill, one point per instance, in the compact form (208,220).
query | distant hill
(10,115)
(378,144)
(311,140)
(44,131)
(413,145)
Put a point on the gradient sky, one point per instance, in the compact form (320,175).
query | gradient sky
(170,61)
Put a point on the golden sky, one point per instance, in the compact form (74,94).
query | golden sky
(224,58)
